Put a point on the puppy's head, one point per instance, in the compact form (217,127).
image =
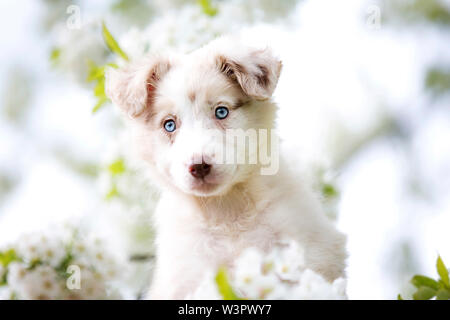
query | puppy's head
(184,105)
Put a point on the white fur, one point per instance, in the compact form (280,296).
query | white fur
(201,226)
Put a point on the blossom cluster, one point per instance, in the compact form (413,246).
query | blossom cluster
(60,264)
(280,274)
(170,31)
(182,25)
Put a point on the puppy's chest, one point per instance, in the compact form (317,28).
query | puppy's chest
(222,245)
(218,239)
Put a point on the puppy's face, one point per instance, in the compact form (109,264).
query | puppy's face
(184,106)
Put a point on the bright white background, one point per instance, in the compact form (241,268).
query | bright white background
(344,81)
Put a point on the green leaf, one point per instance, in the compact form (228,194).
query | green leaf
(442,271)
(99,89)
(117,167)
(399,297)
(54,55)
(112,43)
(65,263)
(438,80)
(419,11)
(424,293)
(329,191)
(7,257)
(113,192)
(223,285)
(423,281)
(100,103)
(443,294)
(97,74)
(34,263)
(207,7)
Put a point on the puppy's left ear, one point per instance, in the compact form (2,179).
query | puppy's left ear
(256,71)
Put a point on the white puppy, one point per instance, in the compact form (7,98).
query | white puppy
(211,210)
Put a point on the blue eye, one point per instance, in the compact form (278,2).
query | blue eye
(170,126)
(221,113)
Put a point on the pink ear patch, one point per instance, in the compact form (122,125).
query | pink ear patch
(151,88)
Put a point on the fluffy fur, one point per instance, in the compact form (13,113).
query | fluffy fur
(204,223)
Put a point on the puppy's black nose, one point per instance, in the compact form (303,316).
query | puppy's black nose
(200,171)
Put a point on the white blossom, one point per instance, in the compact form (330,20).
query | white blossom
(278,274)
(40,270)
(188,27)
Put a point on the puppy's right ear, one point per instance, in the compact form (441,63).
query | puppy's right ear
(133,87)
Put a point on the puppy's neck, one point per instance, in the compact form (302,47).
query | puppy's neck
(239,207)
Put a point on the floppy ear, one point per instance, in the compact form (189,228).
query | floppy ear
(133,87)
(256,71)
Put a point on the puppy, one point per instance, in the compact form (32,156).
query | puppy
(211,210)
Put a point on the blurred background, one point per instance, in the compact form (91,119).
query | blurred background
(364,105)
